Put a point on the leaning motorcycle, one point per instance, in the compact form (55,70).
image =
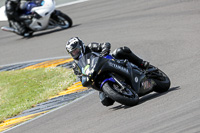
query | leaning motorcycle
(46,17)
(120,80)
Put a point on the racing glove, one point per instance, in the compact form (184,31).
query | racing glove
(76,69)
(94,46)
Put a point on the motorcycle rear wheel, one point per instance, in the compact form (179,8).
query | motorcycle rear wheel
(162,82)
(128,97)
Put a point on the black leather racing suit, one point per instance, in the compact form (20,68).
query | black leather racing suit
(119,53)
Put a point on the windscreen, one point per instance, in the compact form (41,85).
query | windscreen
(88,59)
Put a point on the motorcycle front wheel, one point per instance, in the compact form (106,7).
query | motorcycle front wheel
(64,20)
(126,96)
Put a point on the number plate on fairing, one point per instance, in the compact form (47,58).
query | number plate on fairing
(146,86)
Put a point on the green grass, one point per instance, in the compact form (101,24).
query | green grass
(23,89)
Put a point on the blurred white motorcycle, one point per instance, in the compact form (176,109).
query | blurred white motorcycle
(46,17)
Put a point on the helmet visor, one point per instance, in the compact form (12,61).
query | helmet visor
(76,53)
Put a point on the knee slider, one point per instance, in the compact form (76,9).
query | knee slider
(106,101)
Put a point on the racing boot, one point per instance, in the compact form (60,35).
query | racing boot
(145,65)
(19,28)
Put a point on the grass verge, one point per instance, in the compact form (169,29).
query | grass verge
(23,89)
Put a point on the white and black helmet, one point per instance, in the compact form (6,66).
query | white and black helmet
(75,47)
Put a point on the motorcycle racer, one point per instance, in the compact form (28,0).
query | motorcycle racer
(16,18)
(76,48)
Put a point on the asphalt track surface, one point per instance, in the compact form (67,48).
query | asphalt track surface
(166,33)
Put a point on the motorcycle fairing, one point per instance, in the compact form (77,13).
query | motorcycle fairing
(45,12)
(95,65)
(133,73)
(106,80)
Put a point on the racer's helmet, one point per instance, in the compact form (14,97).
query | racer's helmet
(75,47)
(11,5)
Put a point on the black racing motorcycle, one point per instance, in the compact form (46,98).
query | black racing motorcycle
(121,80)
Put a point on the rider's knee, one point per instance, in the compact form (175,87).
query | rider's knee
(105,100)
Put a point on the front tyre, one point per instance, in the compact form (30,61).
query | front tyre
(64,21)
(126,97)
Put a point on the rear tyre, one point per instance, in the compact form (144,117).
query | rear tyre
(162,82)
(126,97)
